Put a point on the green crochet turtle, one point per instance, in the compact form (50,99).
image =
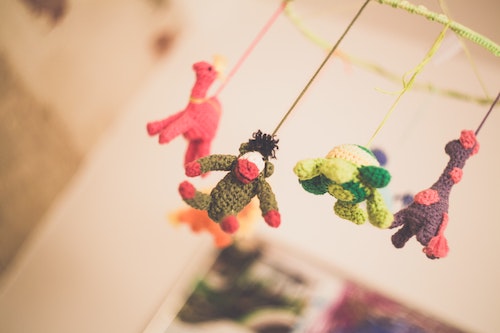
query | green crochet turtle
(351,174)
(246,179)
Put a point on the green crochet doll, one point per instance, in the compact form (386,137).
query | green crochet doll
(351,174)
(246,179)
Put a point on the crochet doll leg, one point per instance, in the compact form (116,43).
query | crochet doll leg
(413,219)
(156,127)
(437,247)
(430,229)
(317,185)
(193,197)
(350,211)
(230,224)
(378,214)
(399,217)
(190,155)
(196,149)
(400,238)
(175,128)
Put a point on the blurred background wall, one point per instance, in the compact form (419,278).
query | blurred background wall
(66,69)
(86,192)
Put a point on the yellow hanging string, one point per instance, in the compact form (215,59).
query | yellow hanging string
(408,84)
(472,63)
(377,69)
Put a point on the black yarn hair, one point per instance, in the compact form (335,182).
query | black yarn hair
(265,144)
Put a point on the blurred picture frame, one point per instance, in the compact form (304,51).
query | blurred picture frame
(258,285)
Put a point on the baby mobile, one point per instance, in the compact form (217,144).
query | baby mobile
(350,173)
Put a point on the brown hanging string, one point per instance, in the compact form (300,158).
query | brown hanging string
(328,56)
(487,114)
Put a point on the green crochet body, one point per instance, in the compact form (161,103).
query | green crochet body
(351,174)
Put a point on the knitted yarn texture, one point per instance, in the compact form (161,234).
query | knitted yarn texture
(246,178)
(198,122)
(351,174)
(426,217)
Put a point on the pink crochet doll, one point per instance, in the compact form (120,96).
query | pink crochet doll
(198,122)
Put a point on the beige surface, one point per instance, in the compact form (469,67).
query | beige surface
(37,159)
(66,67)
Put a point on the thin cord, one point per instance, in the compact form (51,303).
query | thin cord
(487,114)
(407,85)
(377,69)
(254,43)
(472,63)
(320,67)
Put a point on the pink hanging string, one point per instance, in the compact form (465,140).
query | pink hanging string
(254,43)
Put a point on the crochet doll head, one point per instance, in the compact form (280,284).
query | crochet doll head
(258,151)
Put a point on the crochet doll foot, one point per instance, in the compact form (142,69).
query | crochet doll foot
(399,240)
(193,169)
(273,218)
(230,224)
(187,190)
(154,128)
(350,212)
(437,248)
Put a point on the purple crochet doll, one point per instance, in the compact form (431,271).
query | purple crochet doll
(427,216)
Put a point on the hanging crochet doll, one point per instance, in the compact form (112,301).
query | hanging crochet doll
(351,174)
(246,178)
(427,216)
(198,122)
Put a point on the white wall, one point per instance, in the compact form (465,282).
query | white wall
(105,256)
(85,64)
(65,75)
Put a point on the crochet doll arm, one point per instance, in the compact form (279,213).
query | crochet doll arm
(374,176)
(317,185)
(268,204)
(156,127)
(210,163)
(308,168)
(176,126)
(378,213)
